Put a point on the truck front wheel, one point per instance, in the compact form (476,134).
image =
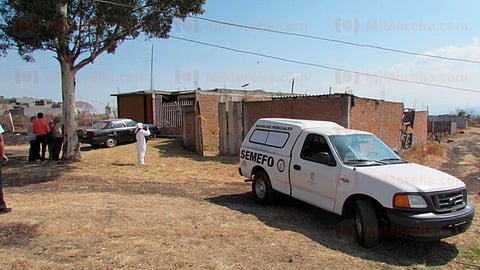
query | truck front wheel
(262,188)
(366,224)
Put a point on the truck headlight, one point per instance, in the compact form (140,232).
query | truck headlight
(409,201)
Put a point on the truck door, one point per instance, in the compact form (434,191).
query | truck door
(314,172)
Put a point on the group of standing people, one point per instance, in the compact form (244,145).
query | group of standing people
(40,134)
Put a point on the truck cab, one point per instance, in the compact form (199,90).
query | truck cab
(353,173)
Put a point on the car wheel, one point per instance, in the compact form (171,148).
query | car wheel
(110,142)
(366,224)
(262,188)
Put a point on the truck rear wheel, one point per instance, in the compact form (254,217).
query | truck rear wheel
(262,188)
(366,224)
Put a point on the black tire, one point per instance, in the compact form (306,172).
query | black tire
(111,142)
(262,188)
(366,224)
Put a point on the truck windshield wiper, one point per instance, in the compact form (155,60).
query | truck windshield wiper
(356,161)
(398,160)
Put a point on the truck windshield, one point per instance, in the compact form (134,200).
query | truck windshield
(364,150)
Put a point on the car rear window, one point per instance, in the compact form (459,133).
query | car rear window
(117,125)
(131,123)
(270,138)
(99,125)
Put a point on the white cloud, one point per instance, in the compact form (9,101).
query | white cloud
(455,74)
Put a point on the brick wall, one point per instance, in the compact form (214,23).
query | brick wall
(420,133)
(189,127)
(382,118)
(208,114)
(131,107)
(325,108)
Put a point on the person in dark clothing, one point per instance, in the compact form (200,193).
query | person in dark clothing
(32,153)
(41,129)
(3,158)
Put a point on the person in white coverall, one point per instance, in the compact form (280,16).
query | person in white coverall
(140,134)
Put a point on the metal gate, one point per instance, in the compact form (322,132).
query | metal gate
(170,118)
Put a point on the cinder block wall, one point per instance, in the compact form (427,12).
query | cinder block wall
(382,118)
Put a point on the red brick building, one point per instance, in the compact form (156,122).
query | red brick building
(382,118)
(215,121)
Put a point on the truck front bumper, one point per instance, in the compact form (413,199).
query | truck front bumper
(430,226)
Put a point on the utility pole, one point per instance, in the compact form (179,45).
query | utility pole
(151,70)
(293,83)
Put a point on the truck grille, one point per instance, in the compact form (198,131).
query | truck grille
(449,201)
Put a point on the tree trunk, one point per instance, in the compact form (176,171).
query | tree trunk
(71,147)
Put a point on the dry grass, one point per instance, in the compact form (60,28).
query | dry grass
(180,211)
(431,154)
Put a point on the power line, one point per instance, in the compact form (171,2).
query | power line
(324,39)
(324,66)
(335,40)
(114,3)
(316,37)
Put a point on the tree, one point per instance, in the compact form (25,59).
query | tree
(108,110)
(84,107)
(78,31)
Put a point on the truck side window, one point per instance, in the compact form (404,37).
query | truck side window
(316,149)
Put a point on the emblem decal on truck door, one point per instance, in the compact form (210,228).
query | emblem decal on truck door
(281,165)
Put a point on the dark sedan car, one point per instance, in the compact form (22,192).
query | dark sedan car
(109,132)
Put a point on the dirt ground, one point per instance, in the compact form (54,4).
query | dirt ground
(464,158)
(181,211)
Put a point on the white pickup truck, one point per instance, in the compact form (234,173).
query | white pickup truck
(354,174)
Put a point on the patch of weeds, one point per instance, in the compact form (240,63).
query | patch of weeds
(13,234)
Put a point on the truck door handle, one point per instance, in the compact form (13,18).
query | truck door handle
(297,167)
(346,180)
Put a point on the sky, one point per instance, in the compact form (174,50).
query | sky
(441,28)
